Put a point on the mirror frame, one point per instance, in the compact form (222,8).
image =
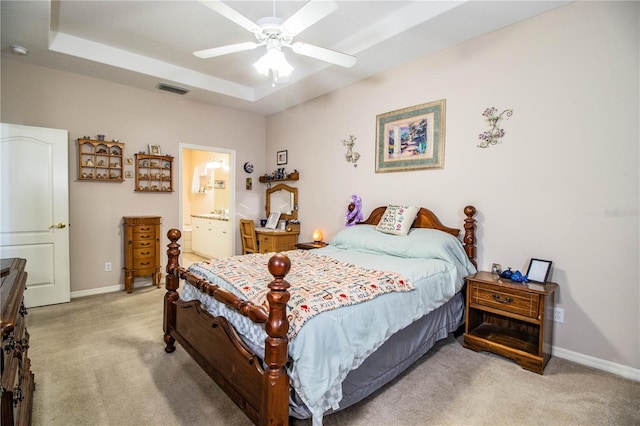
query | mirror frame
(283,187)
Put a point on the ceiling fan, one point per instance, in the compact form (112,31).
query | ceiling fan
(274,33)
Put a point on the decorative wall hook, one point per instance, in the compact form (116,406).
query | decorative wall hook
(351,155)
(491,136)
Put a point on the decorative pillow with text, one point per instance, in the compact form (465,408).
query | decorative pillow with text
(397,220)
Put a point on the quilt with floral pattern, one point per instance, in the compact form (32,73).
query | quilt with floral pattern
(318,283)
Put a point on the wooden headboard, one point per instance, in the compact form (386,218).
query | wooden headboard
(427,219)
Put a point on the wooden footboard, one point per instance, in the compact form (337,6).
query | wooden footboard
(263,394)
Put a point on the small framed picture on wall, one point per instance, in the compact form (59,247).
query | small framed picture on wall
(281,157)
(154,149)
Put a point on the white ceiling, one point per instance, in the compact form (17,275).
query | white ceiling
(145,42)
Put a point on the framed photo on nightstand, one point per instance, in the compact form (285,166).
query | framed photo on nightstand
(539,270)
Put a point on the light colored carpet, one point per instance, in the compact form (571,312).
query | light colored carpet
(100,360)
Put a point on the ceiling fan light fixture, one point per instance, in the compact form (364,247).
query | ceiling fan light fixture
(274,61)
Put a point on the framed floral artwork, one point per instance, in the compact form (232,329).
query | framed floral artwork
(411,138)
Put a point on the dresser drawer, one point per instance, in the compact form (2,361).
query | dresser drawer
(144,236)
(147,262)
(267,243)
(143,229)
(504,299)
(143,244)
(143,253)
(12,384)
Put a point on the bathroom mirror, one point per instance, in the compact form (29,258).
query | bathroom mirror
(284,200)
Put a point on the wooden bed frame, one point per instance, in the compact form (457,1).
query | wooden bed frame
(261,393)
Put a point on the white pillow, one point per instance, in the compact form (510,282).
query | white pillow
(397,220)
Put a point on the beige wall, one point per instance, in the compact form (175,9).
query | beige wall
(563,184)
(37,96)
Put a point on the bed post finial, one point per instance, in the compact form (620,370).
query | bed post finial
(275,402)
(470,234)
(172,284)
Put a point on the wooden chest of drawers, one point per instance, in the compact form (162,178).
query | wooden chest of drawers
(276,241)
(510,319)
(141,249)
(17,380)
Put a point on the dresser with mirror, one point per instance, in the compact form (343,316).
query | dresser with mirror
(282,199)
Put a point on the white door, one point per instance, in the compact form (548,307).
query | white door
(34,213)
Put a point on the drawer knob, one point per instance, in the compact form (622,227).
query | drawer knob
(499,299)
(17,394)
(10,343)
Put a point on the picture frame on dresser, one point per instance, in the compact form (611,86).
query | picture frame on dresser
(272,221)
(154,149)
(538,270)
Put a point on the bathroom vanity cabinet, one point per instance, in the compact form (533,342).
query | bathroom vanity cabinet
(210,236)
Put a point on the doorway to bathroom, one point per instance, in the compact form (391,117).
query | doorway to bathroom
(207,200)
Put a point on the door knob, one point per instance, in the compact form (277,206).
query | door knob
(59,226)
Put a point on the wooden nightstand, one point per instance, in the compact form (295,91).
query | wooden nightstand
(311,245)
(510,319)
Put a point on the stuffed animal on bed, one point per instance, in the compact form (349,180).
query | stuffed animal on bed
(354,211)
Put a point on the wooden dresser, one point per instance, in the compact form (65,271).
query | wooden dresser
(276,241)
(141,249)
(17,380)
(510,319)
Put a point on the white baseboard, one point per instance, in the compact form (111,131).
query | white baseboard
(597,363)
(109,289)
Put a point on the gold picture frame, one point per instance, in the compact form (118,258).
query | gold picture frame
(411,138)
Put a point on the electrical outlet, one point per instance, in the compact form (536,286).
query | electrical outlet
(107,267)
(558,314)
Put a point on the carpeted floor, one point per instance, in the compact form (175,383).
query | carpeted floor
(100,360)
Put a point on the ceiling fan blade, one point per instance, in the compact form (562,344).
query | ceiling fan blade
(225,50)
(308,15)
(231,14)
(323,54)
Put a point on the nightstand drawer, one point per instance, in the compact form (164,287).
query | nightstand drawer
(504,299)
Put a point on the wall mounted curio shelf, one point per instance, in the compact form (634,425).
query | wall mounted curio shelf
(269,179)
(100,161)
(154,173)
